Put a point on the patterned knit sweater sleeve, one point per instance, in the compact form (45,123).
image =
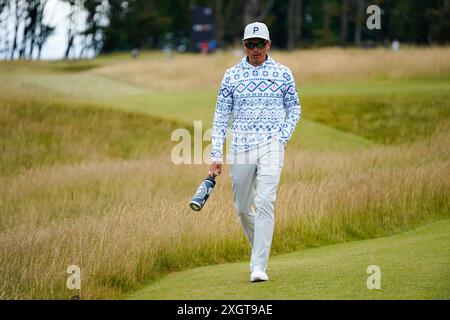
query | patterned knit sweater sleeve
(292,107)
(224,107)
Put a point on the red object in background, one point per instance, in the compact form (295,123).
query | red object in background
(204,46)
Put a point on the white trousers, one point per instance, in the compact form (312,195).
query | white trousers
(255,175)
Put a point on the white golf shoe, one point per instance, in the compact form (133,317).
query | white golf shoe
(258,275)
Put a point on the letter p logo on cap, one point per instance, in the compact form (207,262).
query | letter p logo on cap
(256,30)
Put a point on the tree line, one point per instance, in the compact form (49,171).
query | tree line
(22,31)
(101,26)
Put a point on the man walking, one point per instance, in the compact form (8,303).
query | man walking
(260,96)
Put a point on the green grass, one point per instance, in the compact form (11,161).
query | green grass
(379,111)
(188,107)
(382,119)
(414,265)
(182,108)
(62,66)
(44,132)
(85,170)
(400,87)
(78,85)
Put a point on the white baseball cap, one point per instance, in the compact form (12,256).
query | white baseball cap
(256,30)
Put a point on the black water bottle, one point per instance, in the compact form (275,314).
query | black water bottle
(203,192)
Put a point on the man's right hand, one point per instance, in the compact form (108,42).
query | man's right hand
(215,168)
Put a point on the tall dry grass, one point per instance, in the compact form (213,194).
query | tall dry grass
(190,72)
(137,225)
(339,65)
(122,214)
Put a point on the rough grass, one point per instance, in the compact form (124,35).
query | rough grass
(42,132)
(381,95)
(330,65)
(84,185)
(125,222)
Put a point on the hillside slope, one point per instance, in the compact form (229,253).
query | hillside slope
(414,265)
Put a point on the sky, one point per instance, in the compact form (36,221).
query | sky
(56,15)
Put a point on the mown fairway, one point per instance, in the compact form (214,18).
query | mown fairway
(86,176)
(413,265)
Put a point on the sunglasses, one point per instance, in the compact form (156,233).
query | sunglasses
(259,45)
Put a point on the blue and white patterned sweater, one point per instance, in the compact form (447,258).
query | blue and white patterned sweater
(262,102)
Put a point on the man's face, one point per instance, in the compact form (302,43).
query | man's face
(256,54)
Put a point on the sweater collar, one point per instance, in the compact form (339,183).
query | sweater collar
(246,65)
